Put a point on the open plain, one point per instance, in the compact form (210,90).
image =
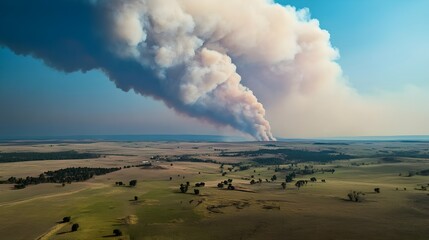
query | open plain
(261,204)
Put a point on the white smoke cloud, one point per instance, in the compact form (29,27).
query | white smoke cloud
(190,62)
(217,61)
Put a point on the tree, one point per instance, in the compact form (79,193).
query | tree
(273,178)
(355,196)
(377,190)
(252,182)
(136,198)
(283,185)
(66,219)
(133,183)
(75,227)
(220,185)
(300,183)
(117,232)
(196,191)
(289,177)
(183,188)
(313,179)
(19,186)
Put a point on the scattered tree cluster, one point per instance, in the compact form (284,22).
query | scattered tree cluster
(227,183)
(356,196)
(301,183)
(184,187)
(200,184)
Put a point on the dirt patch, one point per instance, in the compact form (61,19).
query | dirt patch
(130,220)
(236,204)
(51,231)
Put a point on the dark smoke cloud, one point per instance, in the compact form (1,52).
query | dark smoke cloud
(169,59)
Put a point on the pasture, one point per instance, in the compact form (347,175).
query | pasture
(264,210)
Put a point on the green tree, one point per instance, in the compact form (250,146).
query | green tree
(75,227)
(133,183)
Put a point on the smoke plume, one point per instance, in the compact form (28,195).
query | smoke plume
(180,52)
(207,59)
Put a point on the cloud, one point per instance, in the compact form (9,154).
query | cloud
(230,64)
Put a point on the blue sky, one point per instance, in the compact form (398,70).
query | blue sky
(384,46)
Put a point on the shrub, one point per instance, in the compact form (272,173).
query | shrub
(75,227)
(117,232)
(133,183)
(183,188)
(356,196)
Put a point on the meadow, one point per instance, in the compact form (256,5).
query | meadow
(156,208)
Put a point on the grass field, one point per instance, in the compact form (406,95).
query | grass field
(319,210)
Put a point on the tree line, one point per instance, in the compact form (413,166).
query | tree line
(66,175)
(34,156)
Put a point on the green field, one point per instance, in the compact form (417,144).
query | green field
(319,210)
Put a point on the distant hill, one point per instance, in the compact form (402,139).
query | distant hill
(127,138)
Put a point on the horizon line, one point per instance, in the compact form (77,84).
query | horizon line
(203,137)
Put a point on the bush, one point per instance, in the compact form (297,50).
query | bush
(66,219)
(196,191)
(117,232)
(356,196)
(75,227)
(273,178)
(183,188)
(133,183)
